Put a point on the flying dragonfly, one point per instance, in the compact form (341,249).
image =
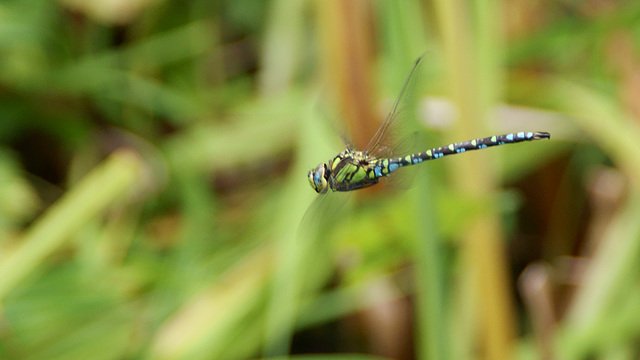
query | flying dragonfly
(353,169)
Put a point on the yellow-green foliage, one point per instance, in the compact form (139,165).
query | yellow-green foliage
(154,201)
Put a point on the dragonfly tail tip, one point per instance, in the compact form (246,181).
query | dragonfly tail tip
(541,135)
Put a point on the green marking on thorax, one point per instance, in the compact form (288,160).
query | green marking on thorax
(346,170)
(359,175)
(334,163)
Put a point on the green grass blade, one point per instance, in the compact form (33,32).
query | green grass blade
(92,195)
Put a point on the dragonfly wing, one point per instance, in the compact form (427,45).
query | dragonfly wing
(323,214)
(403,179)
(383,134)
(329,118)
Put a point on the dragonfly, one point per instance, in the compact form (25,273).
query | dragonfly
(354,169)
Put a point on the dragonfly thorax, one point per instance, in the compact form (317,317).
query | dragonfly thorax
(349,170)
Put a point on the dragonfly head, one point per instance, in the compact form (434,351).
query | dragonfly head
(318,178)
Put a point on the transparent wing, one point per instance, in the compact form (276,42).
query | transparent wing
(403,179)
(378,145)
(328,116)
(323,213)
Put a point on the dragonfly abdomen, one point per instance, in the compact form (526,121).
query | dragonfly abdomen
(384,167)
(478,144)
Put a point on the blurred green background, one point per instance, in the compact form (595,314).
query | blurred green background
(153,160)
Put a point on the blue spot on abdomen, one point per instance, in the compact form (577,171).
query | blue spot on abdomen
(393,167)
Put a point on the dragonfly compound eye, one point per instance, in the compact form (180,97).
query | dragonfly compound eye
(317,179)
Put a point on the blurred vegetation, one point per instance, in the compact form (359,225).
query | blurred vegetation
(153,160)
